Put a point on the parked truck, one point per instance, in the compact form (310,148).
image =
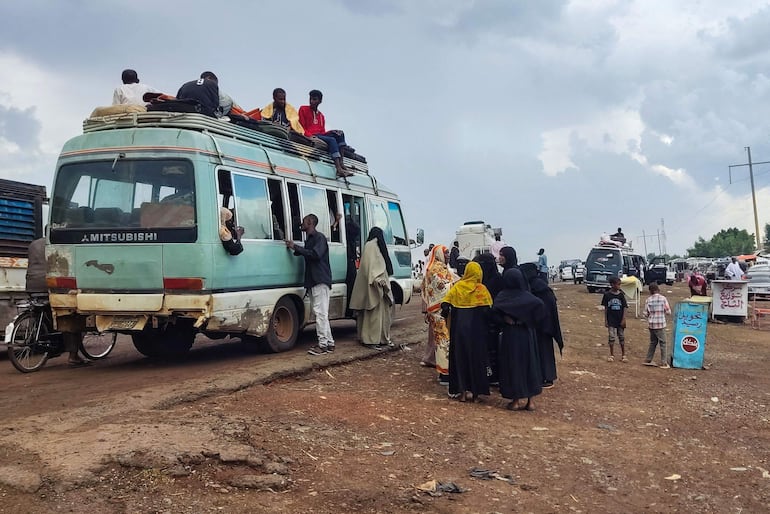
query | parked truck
(476,237)
(21,222)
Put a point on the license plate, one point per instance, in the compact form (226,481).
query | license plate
(105,323)
(8,332)
(601,278)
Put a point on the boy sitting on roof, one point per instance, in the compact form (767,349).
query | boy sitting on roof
(282,113)
(314,124)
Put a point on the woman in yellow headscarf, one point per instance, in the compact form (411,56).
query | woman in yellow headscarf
(467,305)
(438,279)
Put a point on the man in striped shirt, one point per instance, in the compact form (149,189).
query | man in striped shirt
(655,309)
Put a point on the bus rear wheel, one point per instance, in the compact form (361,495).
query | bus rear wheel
(284,326)
(174,341)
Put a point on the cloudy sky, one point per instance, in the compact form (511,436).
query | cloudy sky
(553,119)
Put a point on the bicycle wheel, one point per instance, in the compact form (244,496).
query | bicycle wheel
(97,345)
(24,350)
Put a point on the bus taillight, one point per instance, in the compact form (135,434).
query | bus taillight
(61,282)
(187,283)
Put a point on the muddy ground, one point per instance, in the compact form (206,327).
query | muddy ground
(231,430)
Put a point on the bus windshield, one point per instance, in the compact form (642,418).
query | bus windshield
(124,194)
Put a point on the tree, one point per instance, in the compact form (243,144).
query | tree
(767,237)
(666,256)
(724,243)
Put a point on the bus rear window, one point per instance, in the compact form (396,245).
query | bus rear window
(601,258)
(124,194)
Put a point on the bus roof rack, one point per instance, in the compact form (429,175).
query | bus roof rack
(201,123)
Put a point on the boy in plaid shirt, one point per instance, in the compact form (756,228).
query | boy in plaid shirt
(655,309)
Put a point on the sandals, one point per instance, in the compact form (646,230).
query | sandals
(514,406)
(610,359)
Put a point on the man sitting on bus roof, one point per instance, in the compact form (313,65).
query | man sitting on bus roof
(132,91)
(205,91)
(282,113)
(314,123)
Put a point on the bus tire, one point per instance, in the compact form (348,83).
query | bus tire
(284,326)
(174,341)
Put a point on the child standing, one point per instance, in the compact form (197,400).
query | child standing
(655,309)
(615,305)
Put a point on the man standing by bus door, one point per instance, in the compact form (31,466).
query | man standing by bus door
(318,280)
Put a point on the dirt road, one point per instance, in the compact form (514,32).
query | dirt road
(231,430)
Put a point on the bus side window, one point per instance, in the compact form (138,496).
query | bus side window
(294,212)
(335,215)
(276,209)
(225,189)
(353,207)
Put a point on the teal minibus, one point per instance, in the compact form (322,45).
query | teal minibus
(133,237)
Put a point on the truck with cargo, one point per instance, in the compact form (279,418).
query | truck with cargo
(21,222)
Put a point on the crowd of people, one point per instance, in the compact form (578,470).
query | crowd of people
(204,96)
(488,328)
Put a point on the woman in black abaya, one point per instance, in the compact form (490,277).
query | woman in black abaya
(493,281)
(519,313)
(508,258)
(549,329)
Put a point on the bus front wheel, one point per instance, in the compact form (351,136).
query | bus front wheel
(284,326)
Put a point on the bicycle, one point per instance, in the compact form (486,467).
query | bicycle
(32,340)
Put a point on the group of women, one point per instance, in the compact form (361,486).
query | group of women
(489,328)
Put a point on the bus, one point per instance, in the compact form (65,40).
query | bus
(133,240)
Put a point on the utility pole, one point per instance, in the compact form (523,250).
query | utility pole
(750,164)
(644,239)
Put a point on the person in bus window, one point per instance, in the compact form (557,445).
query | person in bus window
(371,295)
(318,280)
(229,234)
(314,123)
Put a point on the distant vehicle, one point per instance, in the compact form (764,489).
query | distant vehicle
(21,222)
(759,280)
(566,273)
(568,263)
(476,237)
(578,272)
(609,260)
(658,271)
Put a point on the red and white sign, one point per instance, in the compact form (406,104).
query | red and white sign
(690,344)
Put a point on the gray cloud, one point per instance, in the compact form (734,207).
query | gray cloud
(449,100)
(20,126)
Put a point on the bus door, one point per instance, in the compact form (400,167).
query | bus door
(353,207)
(307,199)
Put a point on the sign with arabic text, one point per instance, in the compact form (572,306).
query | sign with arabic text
(689,341)
(730,297)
